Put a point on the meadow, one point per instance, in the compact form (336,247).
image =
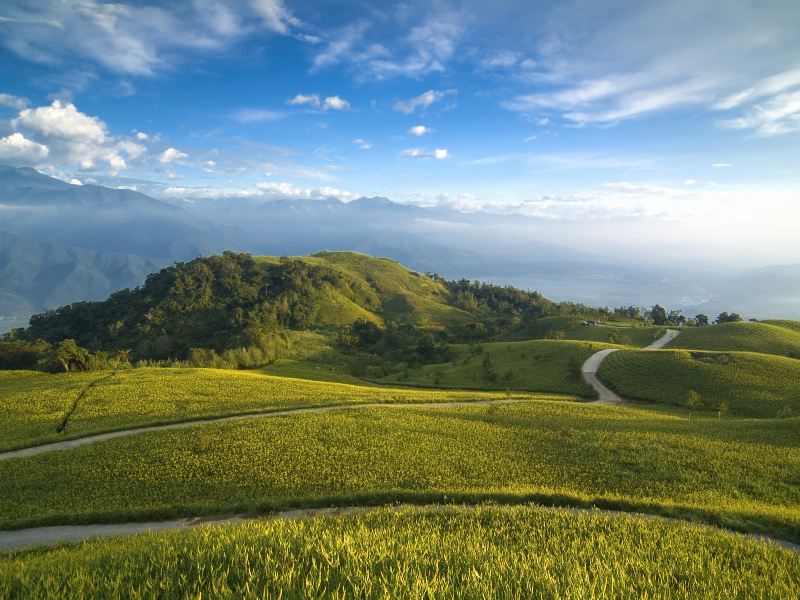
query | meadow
(36,404)
(766,338)
(738,473)
(487,552)
(536,365)
(750,384)
(625,331)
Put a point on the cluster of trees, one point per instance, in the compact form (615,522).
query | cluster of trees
(659,316)
(64,357)
(378,351)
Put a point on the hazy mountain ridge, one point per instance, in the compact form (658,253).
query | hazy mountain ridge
(63,242)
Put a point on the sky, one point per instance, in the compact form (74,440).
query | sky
(618,125)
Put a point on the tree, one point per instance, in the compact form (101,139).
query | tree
(724,317)
(659,315)
(701,319)
(722,409)
(69,355)
(692,401)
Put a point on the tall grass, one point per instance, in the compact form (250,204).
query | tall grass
(489,552)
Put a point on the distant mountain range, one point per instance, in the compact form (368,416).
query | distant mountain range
(61,242)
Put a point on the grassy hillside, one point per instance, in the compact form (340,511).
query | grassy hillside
(411,553)
(35,404)
(734,472)
(390,289)
(753,385)
(541,365)
(745,337)
(793,325)
(572,328)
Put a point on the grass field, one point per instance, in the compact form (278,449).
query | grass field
(741,473)
(745,337)
(572,328)
(753,385)
(488,552)
(35,404)
(541,365)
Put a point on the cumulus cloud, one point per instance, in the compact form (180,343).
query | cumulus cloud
(362,143)
(17,149)
(314,101)
(440,153)
(424,100)
(73,136)
(171,155)
(419,130)
(335,103)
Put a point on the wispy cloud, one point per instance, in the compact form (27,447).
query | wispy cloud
(424,100)
(256,115)
(438,153)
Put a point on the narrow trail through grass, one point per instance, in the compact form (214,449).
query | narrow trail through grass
(100,437)
(592,366)
(69,534)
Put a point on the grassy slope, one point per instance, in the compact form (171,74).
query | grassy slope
(753,385)
(402,294)
(742,473)
(489,552)
(34,404)
(541,365)
(745,337)
(793,325)
(573,329)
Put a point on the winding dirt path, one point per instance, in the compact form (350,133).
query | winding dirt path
(110,435)
(592,365)
(71,534)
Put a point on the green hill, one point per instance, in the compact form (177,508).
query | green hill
(237,302)
(752,384)
(764,337)
(541,365)
(785,323)
(629,332)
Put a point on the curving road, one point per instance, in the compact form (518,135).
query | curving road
(110,435)
(70,534)
(592,365)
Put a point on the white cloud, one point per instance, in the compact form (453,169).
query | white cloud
(74,181)
(132,149)
(73,136)
(269,189)
(304,100)
(17,149)
(414,153)
(142,136)
(690,182)
(424,48)
(313,100)
(255,115)
(419,130)
(335,103)
(424,100)
(502,59)
(133,38)
(530,138)
(721,165)
(275,15)
(438,153)
(362,143)
(170,155)
(13,101)
(776,115)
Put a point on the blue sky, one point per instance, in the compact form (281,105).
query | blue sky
(623,121)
